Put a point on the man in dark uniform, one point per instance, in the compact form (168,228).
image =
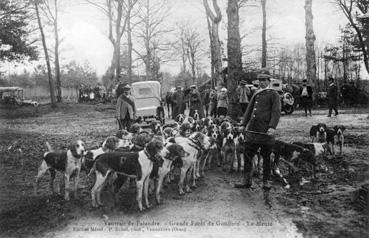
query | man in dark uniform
(332,95)
(260,119)
(178,101)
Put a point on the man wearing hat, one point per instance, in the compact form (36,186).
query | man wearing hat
(332,95)
(306,94)
(178,102)
(126,108)
(260,121)
(243,93)
(195,102)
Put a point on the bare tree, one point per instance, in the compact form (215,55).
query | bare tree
(193,42)
(351,9)
(263,36)
(51,83)
(118,14)
(213,24)
(310,42)
(151,29)
(233,52)
(50,9)
(180,46)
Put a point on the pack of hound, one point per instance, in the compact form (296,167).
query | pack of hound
(188,146)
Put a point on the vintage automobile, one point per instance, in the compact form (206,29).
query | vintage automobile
(14,96)
(287,99)
(147,95)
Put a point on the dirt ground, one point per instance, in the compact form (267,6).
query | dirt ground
(321,208)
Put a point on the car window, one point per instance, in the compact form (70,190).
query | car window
(144,91)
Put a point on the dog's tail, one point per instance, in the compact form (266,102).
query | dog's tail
(49,147)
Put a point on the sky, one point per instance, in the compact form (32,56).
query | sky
(84,27)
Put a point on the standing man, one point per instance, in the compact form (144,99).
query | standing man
(260,119)
(169,103)
(177,101)
(195,102)
(306,94)
(332,95)
(126,109)
(213,103)
(243,93)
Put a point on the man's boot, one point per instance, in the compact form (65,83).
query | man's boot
(246,182)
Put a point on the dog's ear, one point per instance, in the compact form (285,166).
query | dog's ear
(73,148)
(335,128)
(343,128)
(150,147)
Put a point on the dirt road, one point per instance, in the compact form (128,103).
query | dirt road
(215,209)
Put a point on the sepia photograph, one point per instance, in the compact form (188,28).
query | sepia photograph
(184,118)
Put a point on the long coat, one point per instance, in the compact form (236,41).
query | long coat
(178,103)
(332,95)
(263,112)
(196,104)
(124,107)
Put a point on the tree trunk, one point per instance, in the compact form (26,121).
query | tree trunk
(310,41)
(263,36)
(183,46)
(129,39)
(117,40)
(234,55)
(51,83)
(212,69)
(214,20)
(147,42)
(57,65)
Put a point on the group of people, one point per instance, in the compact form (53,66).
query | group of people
(213,103)
(306,97)
(261,114)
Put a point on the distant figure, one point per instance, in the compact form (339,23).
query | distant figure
(223,102)
(306,94)
(169,102)
(206,95)
(332,95)
(195,102)
(178,102)
(243,93)
(126,109)
(213,100)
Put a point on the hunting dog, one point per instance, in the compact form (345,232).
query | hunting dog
(228,151)
(322,134)
(109,145)
(193,145)
(240,148)
(137,165)
(175,156)
(318,149)
(68,162)
(180,118)
(292,155)
(339,129)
